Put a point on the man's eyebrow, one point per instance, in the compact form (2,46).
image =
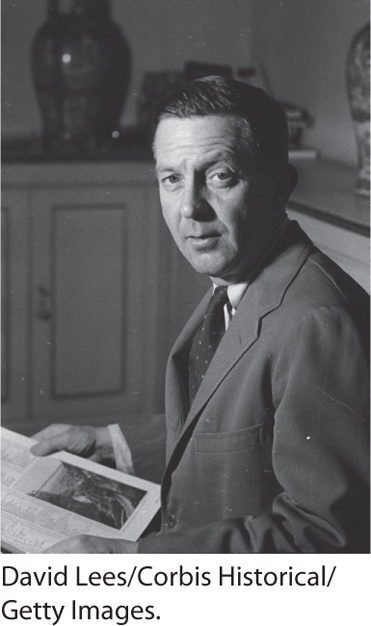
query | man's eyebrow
(226,159)
(164,169)
(222,157)
(167,166)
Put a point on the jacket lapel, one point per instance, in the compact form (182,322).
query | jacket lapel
(264,295)
(176,375)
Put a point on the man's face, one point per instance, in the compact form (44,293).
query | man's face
(216,205)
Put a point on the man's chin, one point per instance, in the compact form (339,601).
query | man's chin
(220,271)
(208,259)
(205,264)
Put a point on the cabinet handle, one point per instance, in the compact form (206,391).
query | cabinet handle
(43,308)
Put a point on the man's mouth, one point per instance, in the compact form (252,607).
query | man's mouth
(202,235)
(202,240)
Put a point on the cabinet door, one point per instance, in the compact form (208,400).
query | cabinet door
(15,318)
(96,261)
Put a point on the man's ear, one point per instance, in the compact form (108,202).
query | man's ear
(285,184)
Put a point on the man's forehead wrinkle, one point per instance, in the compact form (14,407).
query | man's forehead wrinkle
(197,143)
(205,159)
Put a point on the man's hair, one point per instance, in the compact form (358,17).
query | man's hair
(261,121)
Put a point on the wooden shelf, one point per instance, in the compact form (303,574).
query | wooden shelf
(131,145)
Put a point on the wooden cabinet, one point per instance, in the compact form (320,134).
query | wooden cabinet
(15,294)
(86,298)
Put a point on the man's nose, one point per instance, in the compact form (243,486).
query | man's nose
(194,202)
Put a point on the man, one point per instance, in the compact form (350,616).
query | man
(267,439)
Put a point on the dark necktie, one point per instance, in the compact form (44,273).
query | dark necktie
(206,340)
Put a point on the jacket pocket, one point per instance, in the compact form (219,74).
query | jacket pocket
(235,441)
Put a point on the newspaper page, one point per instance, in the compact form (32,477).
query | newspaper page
(47,499)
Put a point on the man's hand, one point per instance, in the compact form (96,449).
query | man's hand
(89,544)
(87,441)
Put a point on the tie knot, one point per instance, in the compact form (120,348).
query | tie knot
(214,315)
(220,296)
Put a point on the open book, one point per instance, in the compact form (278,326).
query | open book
(47,499)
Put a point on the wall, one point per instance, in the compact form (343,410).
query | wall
(162,34)
(303,46)
(20,19)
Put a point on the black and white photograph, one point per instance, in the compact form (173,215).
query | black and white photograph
(185,272)
(90,495)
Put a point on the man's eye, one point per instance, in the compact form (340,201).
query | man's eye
(171,180)
(222,178)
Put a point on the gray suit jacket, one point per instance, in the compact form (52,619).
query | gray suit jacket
(273,454)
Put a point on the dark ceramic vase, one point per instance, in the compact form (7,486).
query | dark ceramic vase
(358,83)
(81,71)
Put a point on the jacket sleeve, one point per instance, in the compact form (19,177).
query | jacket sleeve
(146,438)
(320,454)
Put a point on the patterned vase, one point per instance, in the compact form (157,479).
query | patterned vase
(358,83)
(80,65)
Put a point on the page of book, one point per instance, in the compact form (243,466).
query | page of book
(47,499)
